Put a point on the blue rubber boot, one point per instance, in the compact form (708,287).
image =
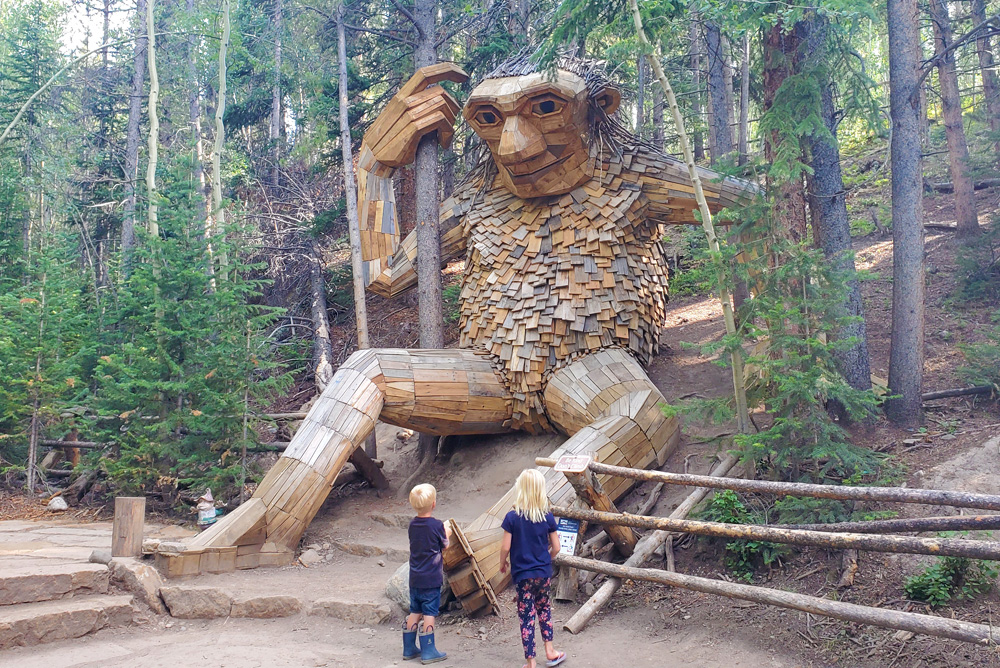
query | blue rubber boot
(410,649)
(428,652)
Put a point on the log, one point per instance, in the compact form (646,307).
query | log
(73,444)
(599,539)
(947,523)
(950,547)
(589,489)
(284,416)
(941,627)
(947,186)
(887,494)
(643,550)
(126,531)
(960,392)
(369,469)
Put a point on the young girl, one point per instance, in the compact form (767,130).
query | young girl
(530,538)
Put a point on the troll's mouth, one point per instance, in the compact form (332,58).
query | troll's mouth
(523,171)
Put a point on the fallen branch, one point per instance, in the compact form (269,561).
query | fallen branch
(644,549)
(842,492)
(942,627)
(948,523)
(960,392)
(951,547)
(947,186)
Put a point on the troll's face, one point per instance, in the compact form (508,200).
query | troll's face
(539,130)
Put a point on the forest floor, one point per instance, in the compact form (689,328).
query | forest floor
(645,624)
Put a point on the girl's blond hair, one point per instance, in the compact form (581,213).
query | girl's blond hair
(531,502)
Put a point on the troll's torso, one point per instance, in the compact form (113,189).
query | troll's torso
(550,279)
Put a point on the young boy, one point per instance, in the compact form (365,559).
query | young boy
(428,538)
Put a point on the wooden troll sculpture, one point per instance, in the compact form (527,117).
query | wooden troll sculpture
(562,300)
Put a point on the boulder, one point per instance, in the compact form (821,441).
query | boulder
(397,589)
(100,557)
(57,504)
(188,602)
(139,579)
(364,614)
(266,607)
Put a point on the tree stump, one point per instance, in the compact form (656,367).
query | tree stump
(126,533)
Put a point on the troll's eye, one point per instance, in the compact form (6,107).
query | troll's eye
(547,106)
(487,117)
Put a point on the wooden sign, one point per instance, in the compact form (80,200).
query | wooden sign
(572,463)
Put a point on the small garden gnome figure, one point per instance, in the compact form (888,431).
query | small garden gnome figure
(206,510)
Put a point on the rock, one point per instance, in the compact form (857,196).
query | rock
(314,546)
(310,558)
(191,602)
(139,579)
(266,607)
(381,562)
(100,557)
(589,589)
(397,589)
(150,545)
(392,520)
(351,611)
(57,504)
(364,550)
(482,630)
(902,636)
(948,437)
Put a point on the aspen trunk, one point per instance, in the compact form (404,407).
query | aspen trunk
(951,109)
(132,135)
(154,123)
(699,142)
(322,347)
(742,413)
(640,96)
(906,352)
(275,125)
(218,213)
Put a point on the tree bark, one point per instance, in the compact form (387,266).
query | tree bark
(906,352)
(640,96)
(350,187)
(991,84)
(951,109)
(719,111)
(830,198)
(781,60)
(218,213)
(322,347)
(698,138)
(152,219)
(275,125)
(658,104)
(744,129)
(132,135)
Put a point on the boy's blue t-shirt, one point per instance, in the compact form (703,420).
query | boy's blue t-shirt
(427,540)
(529,546)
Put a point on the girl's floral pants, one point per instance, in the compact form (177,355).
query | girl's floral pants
(532,598)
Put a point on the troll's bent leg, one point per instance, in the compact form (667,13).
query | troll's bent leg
(611,410)
(436,391)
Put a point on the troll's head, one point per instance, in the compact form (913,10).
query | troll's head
(539,127)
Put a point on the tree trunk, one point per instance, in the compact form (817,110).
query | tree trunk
(658,104)
(744,132)
(719,110)
(218,213)
(154,124)
(275,125)
(698,139)
(906,353)
(448,160)
(350,187)
(322,347)
(640,96)
(518,21)
(991,85)
(194,118)
(830,208)
(951,109)
(132,135)
(781,60)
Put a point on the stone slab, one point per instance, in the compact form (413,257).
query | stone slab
(364,614)
(193,602)
(36,623)
(266,607)
(31,581)
(139,579)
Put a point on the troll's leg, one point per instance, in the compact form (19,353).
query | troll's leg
(435,391)
(610,408)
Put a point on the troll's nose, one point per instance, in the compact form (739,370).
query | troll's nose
(520,141)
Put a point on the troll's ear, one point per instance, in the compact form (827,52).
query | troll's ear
(608,100)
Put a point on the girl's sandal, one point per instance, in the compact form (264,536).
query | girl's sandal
(556,661)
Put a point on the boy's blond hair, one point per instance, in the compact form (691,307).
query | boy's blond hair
(422,497)
(531,502)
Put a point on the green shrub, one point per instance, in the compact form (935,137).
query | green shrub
(951,577)
(743,557)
